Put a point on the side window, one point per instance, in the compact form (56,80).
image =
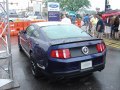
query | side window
(36,34)
(30,30)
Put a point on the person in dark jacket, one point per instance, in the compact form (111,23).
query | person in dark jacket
(115,27)
(112,33)
(100,26)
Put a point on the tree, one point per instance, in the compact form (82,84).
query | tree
(72,5)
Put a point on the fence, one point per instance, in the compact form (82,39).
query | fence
(15,27)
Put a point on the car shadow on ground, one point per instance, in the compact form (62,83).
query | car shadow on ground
(78,83)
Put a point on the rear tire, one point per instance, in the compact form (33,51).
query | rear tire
(34,68)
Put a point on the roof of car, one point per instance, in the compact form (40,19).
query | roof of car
(42,24)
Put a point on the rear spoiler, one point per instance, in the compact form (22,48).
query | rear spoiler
(66,41)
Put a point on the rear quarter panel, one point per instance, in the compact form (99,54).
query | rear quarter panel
(40,50)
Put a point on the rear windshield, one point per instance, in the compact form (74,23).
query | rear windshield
(63,32)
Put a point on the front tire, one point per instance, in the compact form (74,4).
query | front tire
(19,45)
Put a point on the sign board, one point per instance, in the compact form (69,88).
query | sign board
(53,6)
(53,16)
(53,11)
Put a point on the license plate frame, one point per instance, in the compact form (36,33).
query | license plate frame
(86,65)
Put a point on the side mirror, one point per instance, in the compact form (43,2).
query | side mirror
(23,31)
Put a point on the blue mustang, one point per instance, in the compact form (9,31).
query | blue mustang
(61,50)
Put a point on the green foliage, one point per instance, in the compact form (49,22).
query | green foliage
(72,5)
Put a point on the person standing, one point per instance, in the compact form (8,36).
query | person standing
(65,19)
(100,26)
(78,21)
(115,27)
(93,22)
(112,34)
(107,28)
(86,20)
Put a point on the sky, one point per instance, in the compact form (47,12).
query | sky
(115,4)
(22,4)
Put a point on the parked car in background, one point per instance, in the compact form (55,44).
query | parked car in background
(13,17)
(61,50)
(35,18)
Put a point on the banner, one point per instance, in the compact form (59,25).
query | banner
(53,11)
(53,16)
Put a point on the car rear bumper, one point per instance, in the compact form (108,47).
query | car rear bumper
(78,72)
(74,68)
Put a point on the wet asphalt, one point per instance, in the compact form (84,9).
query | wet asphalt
(108,79)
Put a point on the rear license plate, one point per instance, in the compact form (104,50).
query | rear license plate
(85,65)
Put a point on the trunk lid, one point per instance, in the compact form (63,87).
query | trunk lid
(76,46)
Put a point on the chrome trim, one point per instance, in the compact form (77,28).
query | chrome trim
(41,66)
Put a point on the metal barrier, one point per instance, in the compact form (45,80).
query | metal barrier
(6,70)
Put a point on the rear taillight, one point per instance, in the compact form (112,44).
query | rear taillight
(100,47)
(60,53)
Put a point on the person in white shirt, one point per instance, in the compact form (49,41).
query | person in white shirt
(66,20)
(93,22)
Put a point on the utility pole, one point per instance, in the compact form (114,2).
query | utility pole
(106,5)
(28,6)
